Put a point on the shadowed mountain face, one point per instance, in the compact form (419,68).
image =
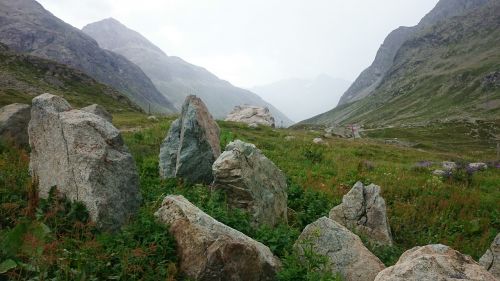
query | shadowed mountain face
(25,26)
(449,70)
(174,77)
(291,95)
(370,78)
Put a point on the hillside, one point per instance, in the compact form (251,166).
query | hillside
(289,95)
(22,77)
(449,71)
(25,26)
(174,77)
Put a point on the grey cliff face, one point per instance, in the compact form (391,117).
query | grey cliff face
(25,26)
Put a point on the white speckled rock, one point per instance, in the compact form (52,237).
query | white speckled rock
(251,115)
(318,141)
(345,251)
(435,263)
(99,111)
(491,258)
(252,182)
(84,156)
(363,210)
(14,119)
(209,250)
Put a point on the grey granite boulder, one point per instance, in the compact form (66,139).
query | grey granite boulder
(99,111)
(251,115)
(84,156)
(434,262)
(345,251)
(363,211)
(491,259)
(209,250)
(252,182)
(192,144)
(14,119)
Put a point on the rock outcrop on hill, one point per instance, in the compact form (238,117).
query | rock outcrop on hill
(25,26)
(14,119)
(192,144)
(252,182)
(251,115)
(84,156)
(434,262)
(363,211)
(345,251)
(209,250)
(491,259)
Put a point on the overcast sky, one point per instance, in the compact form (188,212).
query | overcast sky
(255,42)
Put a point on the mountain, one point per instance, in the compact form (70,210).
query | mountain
(25,26)
(290,95)
(23,76)
(174,77)
(449,70)
(370,78)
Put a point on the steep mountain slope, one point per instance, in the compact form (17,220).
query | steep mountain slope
(174,77)
(447,71)
(291,95)
(25,26)
(22,77)
(371,77)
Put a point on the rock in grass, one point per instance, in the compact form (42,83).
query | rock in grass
(84,156)
(449,166)
(14,119)
(99,111)
(318,141)
(434,262)
(252,182)
(192,144)
(344,250)
(477,166)
(491,258)
(363,211)
(209,250)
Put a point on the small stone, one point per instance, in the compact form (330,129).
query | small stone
(153,118)
(318,141)
(449,166)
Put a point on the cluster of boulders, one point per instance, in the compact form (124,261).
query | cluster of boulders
(251,115)
(449,167)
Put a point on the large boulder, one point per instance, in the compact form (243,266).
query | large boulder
(84,156)
(14,119)
(209,250)
(491,259)
(192,144)
(99,111)
(434,262)
(251,115)
(344,250)
(363,211)
(252,182)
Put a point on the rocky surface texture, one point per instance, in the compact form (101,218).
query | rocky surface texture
(85,158)
(363,211)
(209,250)
(99,111)
(491,259)
(14,119)
(434,262)
(173,76)
(27,27)
(192,144)
(252,182)
(345,251)
(251,115)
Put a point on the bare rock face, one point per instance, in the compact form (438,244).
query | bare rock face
(252,182)
(251,115)
(434,262)
(99,111)
(491,259)
(84,156)
(192,144)
(345,251)
(14,119)
(209,250)
(363,210)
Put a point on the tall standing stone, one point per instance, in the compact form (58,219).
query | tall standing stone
(363,210)
(14,119)
(84,156)
(252,182)
(192,144)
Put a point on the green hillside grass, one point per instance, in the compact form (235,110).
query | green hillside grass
(462,212)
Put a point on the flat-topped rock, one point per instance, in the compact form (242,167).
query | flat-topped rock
(251,115)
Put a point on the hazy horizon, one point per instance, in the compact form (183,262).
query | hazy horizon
(260,42)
